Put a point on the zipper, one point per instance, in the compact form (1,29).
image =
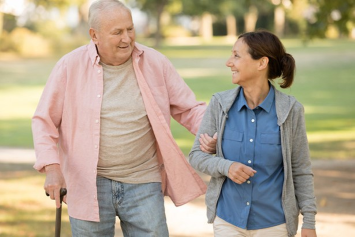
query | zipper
(219,143)
(285,177)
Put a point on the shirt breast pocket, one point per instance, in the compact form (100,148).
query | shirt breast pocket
(232,144)
(271,148)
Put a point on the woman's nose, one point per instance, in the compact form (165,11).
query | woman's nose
(229,63)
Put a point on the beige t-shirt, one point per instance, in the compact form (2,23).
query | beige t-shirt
(127,142)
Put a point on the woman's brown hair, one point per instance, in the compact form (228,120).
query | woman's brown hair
(263,43)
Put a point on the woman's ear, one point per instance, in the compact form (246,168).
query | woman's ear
(263,62)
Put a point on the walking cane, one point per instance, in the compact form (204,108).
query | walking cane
(58,213)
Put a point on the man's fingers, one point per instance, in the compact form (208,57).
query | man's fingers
(208,141)
(65,199)
(203,140)
(215,136)
(204,147)
(57,198)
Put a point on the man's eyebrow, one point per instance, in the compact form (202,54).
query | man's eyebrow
(118,29)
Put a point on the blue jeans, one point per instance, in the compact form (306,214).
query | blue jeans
(140,208)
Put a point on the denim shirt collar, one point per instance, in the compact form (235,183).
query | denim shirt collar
(265,105)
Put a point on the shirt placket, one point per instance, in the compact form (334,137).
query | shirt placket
(250,152)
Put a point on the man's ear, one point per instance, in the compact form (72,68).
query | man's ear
(93,35)
(264,61)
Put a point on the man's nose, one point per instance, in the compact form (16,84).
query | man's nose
(125,37)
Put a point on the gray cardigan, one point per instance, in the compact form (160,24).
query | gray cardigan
(297,194)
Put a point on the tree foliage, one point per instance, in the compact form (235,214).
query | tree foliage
(340,14)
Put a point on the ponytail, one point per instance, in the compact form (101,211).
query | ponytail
(288,66)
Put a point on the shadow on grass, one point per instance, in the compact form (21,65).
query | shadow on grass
(334,186)
(24,208)
(18,222)
(340,150)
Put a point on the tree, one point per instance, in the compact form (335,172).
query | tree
(328,13)
(154,8)
(82,6)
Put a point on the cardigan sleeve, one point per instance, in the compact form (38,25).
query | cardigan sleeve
(214,166)
(301,169)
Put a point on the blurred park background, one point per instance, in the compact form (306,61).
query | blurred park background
(197,36)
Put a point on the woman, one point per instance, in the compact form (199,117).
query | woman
(261,173)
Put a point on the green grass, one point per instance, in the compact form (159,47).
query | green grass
(324,84)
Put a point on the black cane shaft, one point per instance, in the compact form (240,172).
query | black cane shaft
(58,213)
(58,220)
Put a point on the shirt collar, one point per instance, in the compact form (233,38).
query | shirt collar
(265,105)
(94,56)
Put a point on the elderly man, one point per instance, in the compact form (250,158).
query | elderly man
(101,130)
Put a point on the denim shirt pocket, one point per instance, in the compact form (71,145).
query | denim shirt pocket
(232,144)
(271,146)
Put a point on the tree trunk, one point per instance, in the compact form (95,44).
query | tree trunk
(279,21)
(231,26)
(1,22)
(158,36)
(83,12)
(206,28)
(250,19)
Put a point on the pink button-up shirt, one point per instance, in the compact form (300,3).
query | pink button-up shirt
(66,124)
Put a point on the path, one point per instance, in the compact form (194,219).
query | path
(334,186)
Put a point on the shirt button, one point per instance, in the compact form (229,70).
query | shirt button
(253,120)
(98,96)
(248,203)
(98,71)
(96,146)
(249,161)
(251,140)
(96,121)
(248,181)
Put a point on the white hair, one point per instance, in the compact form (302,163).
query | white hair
(98,8)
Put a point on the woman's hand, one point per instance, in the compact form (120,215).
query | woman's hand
(207,143)
(308,233)
(239,173)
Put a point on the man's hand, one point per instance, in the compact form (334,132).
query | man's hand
(239,173)
(54,182)
(208,144)
(308,233)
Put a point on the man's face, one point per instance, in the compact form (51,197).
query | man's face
(115,37)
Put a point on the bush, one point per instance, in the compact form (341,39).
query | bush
(28,43)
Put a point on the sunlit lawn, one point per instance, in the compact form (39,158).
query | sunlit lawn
(24,208)
(324,84)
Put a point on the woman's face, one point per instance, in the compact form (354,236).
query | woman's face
(242,65)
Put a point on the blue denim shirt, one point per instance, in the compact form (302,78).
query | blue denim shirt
(252,137)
